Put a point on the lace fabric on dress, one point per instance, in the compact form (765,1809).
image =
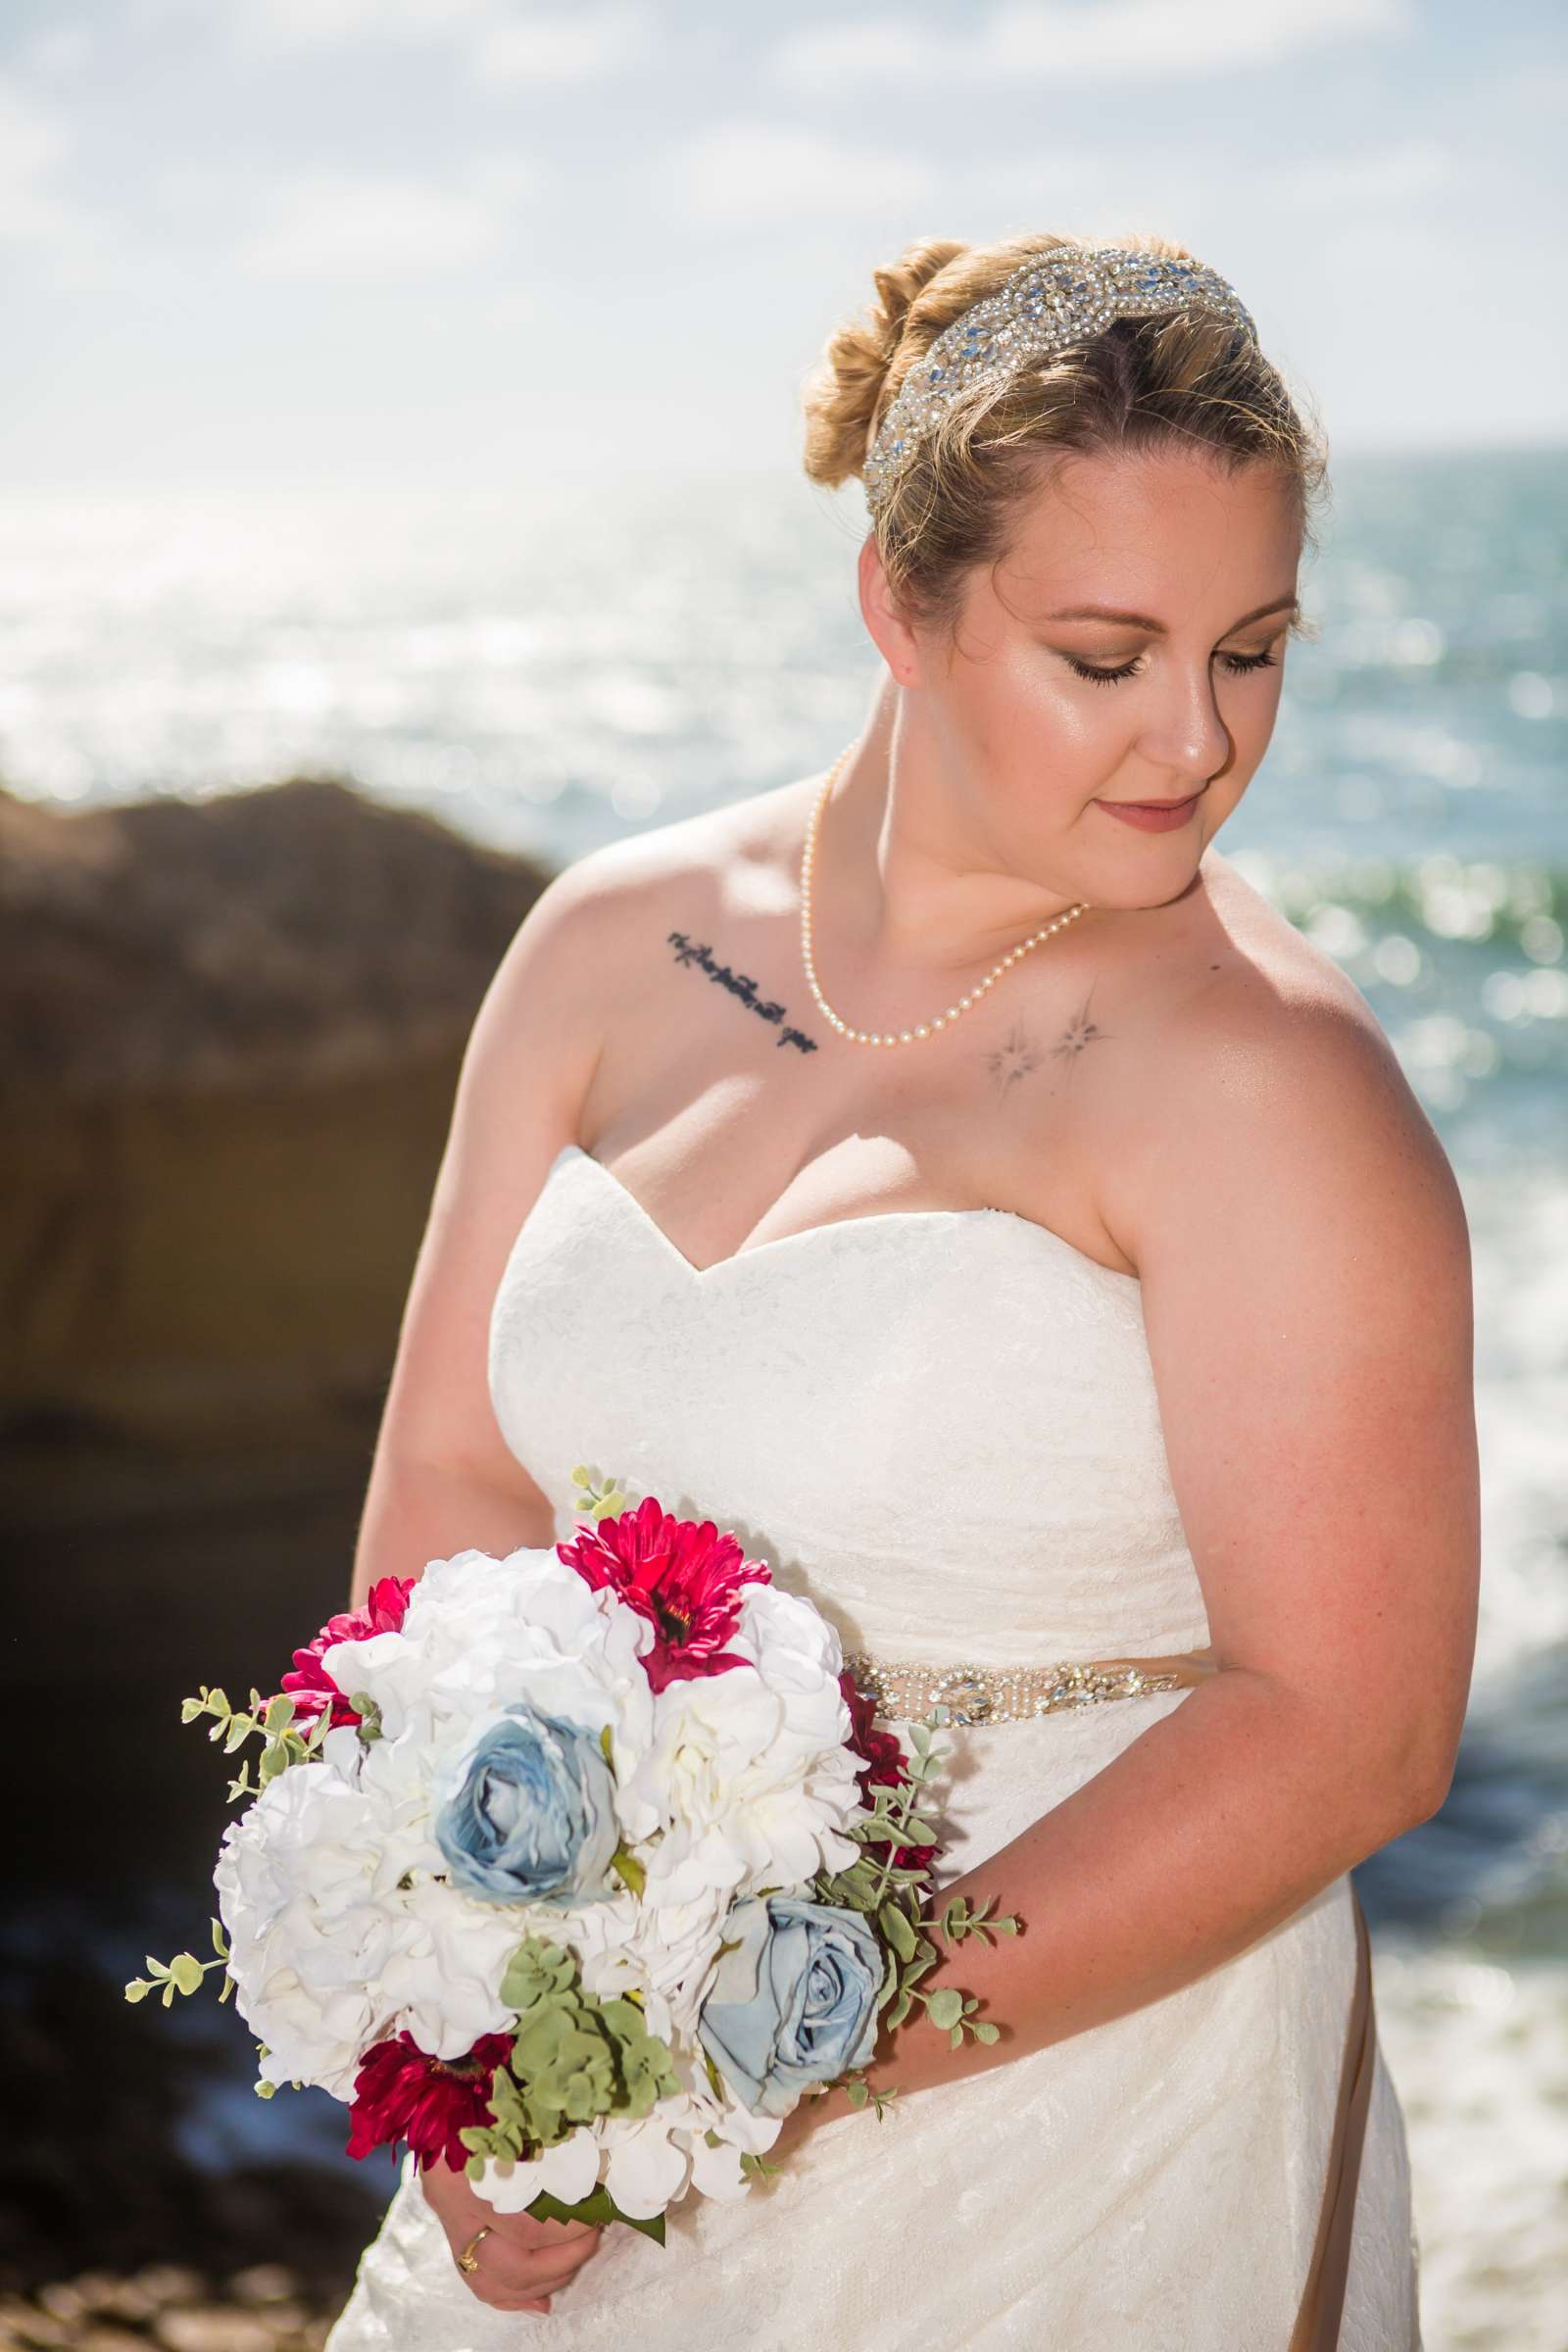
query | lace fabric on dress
(943,1429)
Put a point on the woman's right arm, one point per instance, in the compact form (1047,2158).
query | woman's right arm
(442,1477)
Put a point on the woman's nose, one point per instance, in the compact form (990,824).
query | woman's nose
(1188,735)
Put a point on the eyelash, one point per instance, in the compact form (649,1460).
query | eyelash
(1241,666)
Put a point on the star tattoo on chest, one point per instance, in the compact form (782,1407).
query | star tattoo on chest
(1019,1053)
(1080,1034)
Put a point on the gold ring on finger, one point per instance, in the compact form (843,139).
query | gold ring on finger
(469,2259)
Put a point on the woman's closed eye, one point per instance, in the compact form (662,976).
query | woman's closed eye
(1238,665)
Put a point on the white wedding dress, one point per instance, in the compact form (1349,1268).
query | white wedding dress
(942,1427)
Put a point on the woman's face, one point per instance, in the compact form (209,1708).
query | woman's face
(1038,714)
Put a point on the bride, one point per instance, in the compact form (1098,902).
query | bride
(948,1173)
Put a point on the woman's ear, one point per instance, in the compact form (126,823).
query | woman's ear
(889,633)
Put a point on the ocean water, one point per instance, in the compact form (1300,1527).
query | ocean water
(549,668)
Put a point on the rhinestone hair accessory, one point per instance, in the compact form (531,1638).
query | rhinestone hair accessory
(1051,300)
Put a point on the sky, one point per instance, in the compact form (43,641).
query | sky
(262,244)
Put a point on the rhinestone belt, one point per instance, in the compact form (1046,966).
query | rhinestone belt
(904,1689)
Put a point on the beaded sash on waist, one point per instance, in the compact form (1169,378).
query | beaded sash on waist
(904,1689)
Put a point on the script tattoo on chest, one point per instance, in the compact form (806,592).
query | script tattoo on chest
(741,986)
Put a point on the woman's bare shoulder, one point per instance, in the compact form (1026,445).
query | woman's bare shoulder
(1271,1060)
(703,852)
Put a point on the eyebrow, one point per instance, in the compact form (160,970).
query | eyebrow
(1157,628)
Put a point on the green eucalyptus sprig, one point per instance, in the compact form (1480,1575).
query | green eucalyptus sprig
(183,1973)
(273,1719)
(600,1502)
(892,1897)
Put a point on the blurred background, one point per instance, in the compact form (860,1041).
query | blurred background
(400,495)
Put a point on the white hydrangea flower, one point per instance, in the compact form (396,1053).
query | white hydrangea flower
(480,1633)
(345,1929)
(749,1769)
(308,1894)
(568,2171)
(440,1981)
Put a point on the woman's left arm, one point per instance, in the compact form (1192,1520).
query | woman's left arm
(1307,1292)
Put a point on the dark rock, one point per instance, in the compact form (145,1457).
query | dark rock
(298,932)
(230,1036)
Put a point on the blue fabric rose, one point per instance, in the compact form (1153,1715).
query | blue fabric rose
(528,1813)
(794,2001)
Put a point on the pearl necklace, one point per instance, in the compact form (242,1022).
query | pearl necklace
(902,1037)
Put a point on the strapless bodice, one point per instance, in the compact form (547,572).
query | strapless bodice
(939,1424)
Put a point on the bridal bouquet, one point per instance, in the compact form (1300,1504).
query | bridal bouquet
(577,1869)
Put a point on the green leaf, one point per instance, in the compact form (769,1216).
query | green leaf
(280,1713)
(598,2206)
(984,2032)
(263,2089)
(944,2006)
(185,1970)
(627,1866)
(219,1941)
(894,1924)
(137,1989)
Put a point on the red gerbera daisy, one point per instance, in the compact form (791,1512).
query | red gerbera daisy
(680,1574)
(401,2092)
(308,1682)
(885,1761)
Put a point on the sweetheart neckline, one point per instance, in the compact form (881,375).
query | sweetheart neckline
(811,1232)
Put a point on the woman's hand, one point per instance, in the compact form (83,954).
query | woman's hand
(522,2260)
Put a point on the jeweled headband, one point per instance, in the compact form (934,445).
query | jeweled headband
(1054,299)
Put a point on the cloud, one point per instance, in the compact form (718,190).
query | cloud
(495,41)
(584,45)
(747,174)
(1057,44)
(57,49)
(35,139)
(1369,183)
(333,222)
(284,25)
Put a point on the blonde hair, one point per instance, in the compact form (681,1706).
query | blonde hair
(1140,385)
